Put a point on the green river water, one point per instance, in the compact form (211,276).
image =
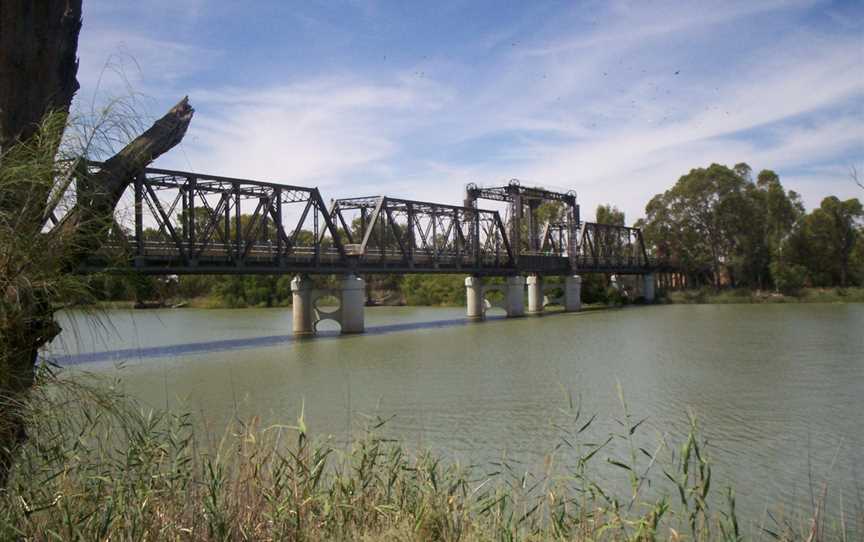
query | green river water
(777,389)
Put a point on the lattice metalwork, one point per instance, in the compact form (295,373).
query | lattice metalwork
(611,248)
(391,233)
(191,222)
(175,222)
(523,221)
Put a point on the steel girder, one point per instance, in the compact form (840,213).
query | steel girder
(607,246)
(194,223)
(523,224)
(414,235)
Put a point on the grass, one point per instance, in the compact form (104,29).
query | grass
(744,295)
(99,467)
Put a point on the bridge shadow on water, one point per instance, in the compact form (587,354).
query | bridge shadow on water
(130,354)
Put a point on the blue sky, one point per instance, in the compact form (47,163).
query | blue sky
(414,99)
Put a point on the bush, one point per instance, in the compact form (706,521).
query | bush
(594,288)
(434,289)
(788,278)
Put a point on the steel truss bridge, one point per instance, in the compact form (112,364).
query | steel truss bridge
(178,222)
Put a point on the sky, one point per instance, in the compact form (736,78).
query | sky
(615,100)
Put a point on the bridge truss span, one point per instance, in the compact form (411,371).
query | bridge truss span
(387,233)
(196,223)
(177,222)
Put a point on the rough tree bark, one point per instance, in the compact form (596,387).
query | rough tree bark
(38,68)
(38,77)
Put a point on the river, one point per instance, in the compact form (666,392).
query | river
(777,389)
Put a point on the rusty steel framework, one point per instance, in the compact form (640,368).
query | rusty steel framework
(194,223)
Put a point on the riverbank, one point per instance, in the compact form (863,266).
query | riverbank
(701,296)
(744,295)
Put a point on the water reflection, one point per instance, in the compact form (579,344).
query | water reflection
(249,342)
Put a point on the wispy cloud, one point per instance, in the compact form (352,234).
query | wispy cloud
(320,132)
(617,101)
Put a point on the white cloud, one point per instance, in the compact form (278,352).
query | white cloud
(317,132)
(116,62)
(603,112)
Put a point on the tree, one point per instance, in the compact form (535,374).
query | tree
(38,69)
(743,170)
(697,223)
(780,211)
(550,211)
(607,214)
(834,227)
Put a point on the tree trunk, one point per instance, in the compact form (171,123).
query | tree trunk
(38,67)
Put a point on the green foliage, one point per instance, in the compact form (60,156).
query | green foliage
(253,290)
(721,228)
(615,297)
(190,286)
(706,295)
(608,214)
(550,211)
(694,224)
(434,289)
(594,288)
(788,278)
(826,242)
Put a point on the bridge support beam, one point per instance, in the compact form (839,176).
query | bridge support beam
(302,308)
(535,295)
(474,298)
(352,303)
(648,287)
(573,293)
(515,296)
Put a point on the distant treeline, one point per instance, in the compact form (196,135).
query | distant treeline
(275,291)
(723,228)
(717,225)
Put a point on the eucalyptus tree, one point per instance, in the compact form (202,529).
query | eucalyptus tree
(696,224)
(608,214)
(828,240)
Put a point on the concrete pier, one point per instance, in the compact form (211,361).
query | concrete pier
(352,303)
(302,306)
(573,293)
(648,287)
(514,296)
(535,295)
(475,300)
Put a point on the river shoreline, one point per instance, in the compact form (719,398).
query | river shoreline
(703,296)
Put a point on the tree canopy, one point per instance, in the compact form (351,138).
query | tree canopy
(722,228)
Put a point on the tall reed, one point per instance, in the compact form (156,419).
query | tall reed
(97,466)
